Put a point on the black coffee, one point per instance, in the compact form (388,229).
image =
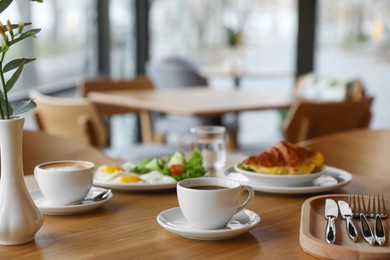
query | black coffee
(208,187)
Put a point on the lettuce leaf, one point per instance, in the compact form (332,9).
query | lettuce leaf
(193,166)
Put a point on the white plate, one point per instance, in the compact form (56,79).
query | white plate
(48,209)
(174,221)
(133,186)
(282,179)
(333,179)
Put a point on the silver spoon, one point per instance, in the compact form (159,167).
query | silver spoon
(101,196)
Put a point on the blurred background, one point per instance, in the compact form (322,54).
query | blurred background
(282,38)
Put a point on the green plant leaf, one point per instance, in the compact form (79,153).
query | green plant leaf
(22,106)
(4,4)
(7,108)
(15,26)
(16,63)
(25,35)
(11,82)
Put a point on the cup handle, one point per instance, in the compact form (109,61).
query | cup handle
(249,199)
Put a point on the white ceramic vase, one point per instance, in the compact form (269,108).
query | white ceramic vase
(20,219)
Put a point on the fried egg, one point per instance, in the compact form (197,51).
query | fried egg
(121,175)
(108,172)
(127,166)
(155,177)
(128,178)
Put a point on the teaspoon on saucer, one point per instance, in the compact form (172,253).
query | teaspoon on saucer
(101,196)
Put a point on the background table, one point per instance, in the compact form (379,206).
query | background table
(200,101)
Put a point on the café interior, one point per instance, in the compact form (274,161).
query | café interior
(118,82)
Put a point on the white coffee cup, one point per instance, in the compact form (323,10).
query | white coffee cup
(210,203)
(64,182)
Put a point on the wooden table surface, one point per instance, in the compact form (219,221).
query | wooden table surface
(200,101)
(126,227)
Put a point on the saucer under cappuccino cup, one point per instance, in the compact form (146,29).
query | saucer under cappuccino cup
(64,182)
(210,203)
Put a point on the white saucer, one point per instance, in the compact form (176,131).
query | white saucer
(134,186)
(174,221)
(48,209)
(333,179)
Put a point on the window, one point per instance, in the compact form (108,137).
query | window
(248,35)
(254,35)
(354,42)
(65,47)
(122,62)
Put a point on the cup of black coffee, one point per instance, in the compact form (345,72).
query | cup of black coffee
(209,203)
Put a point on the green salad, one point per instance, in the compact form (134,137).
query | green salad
(176,165)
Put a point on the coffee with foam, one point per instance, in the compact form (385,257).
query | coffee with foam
(65,166)
(64,182)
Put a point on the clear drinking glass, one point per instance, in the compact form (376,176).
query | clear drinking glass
(211,141)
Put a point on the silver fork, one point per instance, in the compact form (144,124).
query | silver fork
(376,209)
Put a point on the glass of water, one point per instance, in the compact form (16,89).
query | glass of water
(211,141)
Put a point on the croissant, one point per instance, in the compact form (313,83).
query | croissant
(285,158)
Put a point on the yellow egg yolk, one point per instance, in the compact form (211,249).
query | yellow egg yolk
(128,179)
(111,169)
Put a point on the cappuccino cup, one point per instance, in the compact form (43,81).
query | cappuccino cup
(64,182)
(210,203)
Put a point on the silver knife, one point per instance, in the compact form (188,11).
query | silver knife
(331,213)
(346,213)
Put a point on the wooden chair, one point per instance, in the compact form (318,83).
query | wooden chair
(311,88)
(362,151)
(109,110)
(73,118)
(307,119)
(39,147)
(139,83)
(79,120)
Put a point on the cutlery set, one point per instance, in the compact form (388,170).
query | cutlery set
(356,207)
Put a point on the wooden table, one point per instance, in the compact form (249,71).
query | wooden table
(200,101)
(126,227)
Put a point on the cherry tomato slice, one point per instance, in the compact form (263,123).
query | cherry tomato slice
(176,169)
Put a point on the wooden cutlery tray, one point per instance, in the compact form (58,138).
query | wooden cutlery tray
(312,233)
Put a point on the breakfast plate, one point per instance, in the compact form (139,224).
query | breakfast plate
(287,180)
(174,221)
(134,186)
(48,209)
(157,173)
(334,178)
